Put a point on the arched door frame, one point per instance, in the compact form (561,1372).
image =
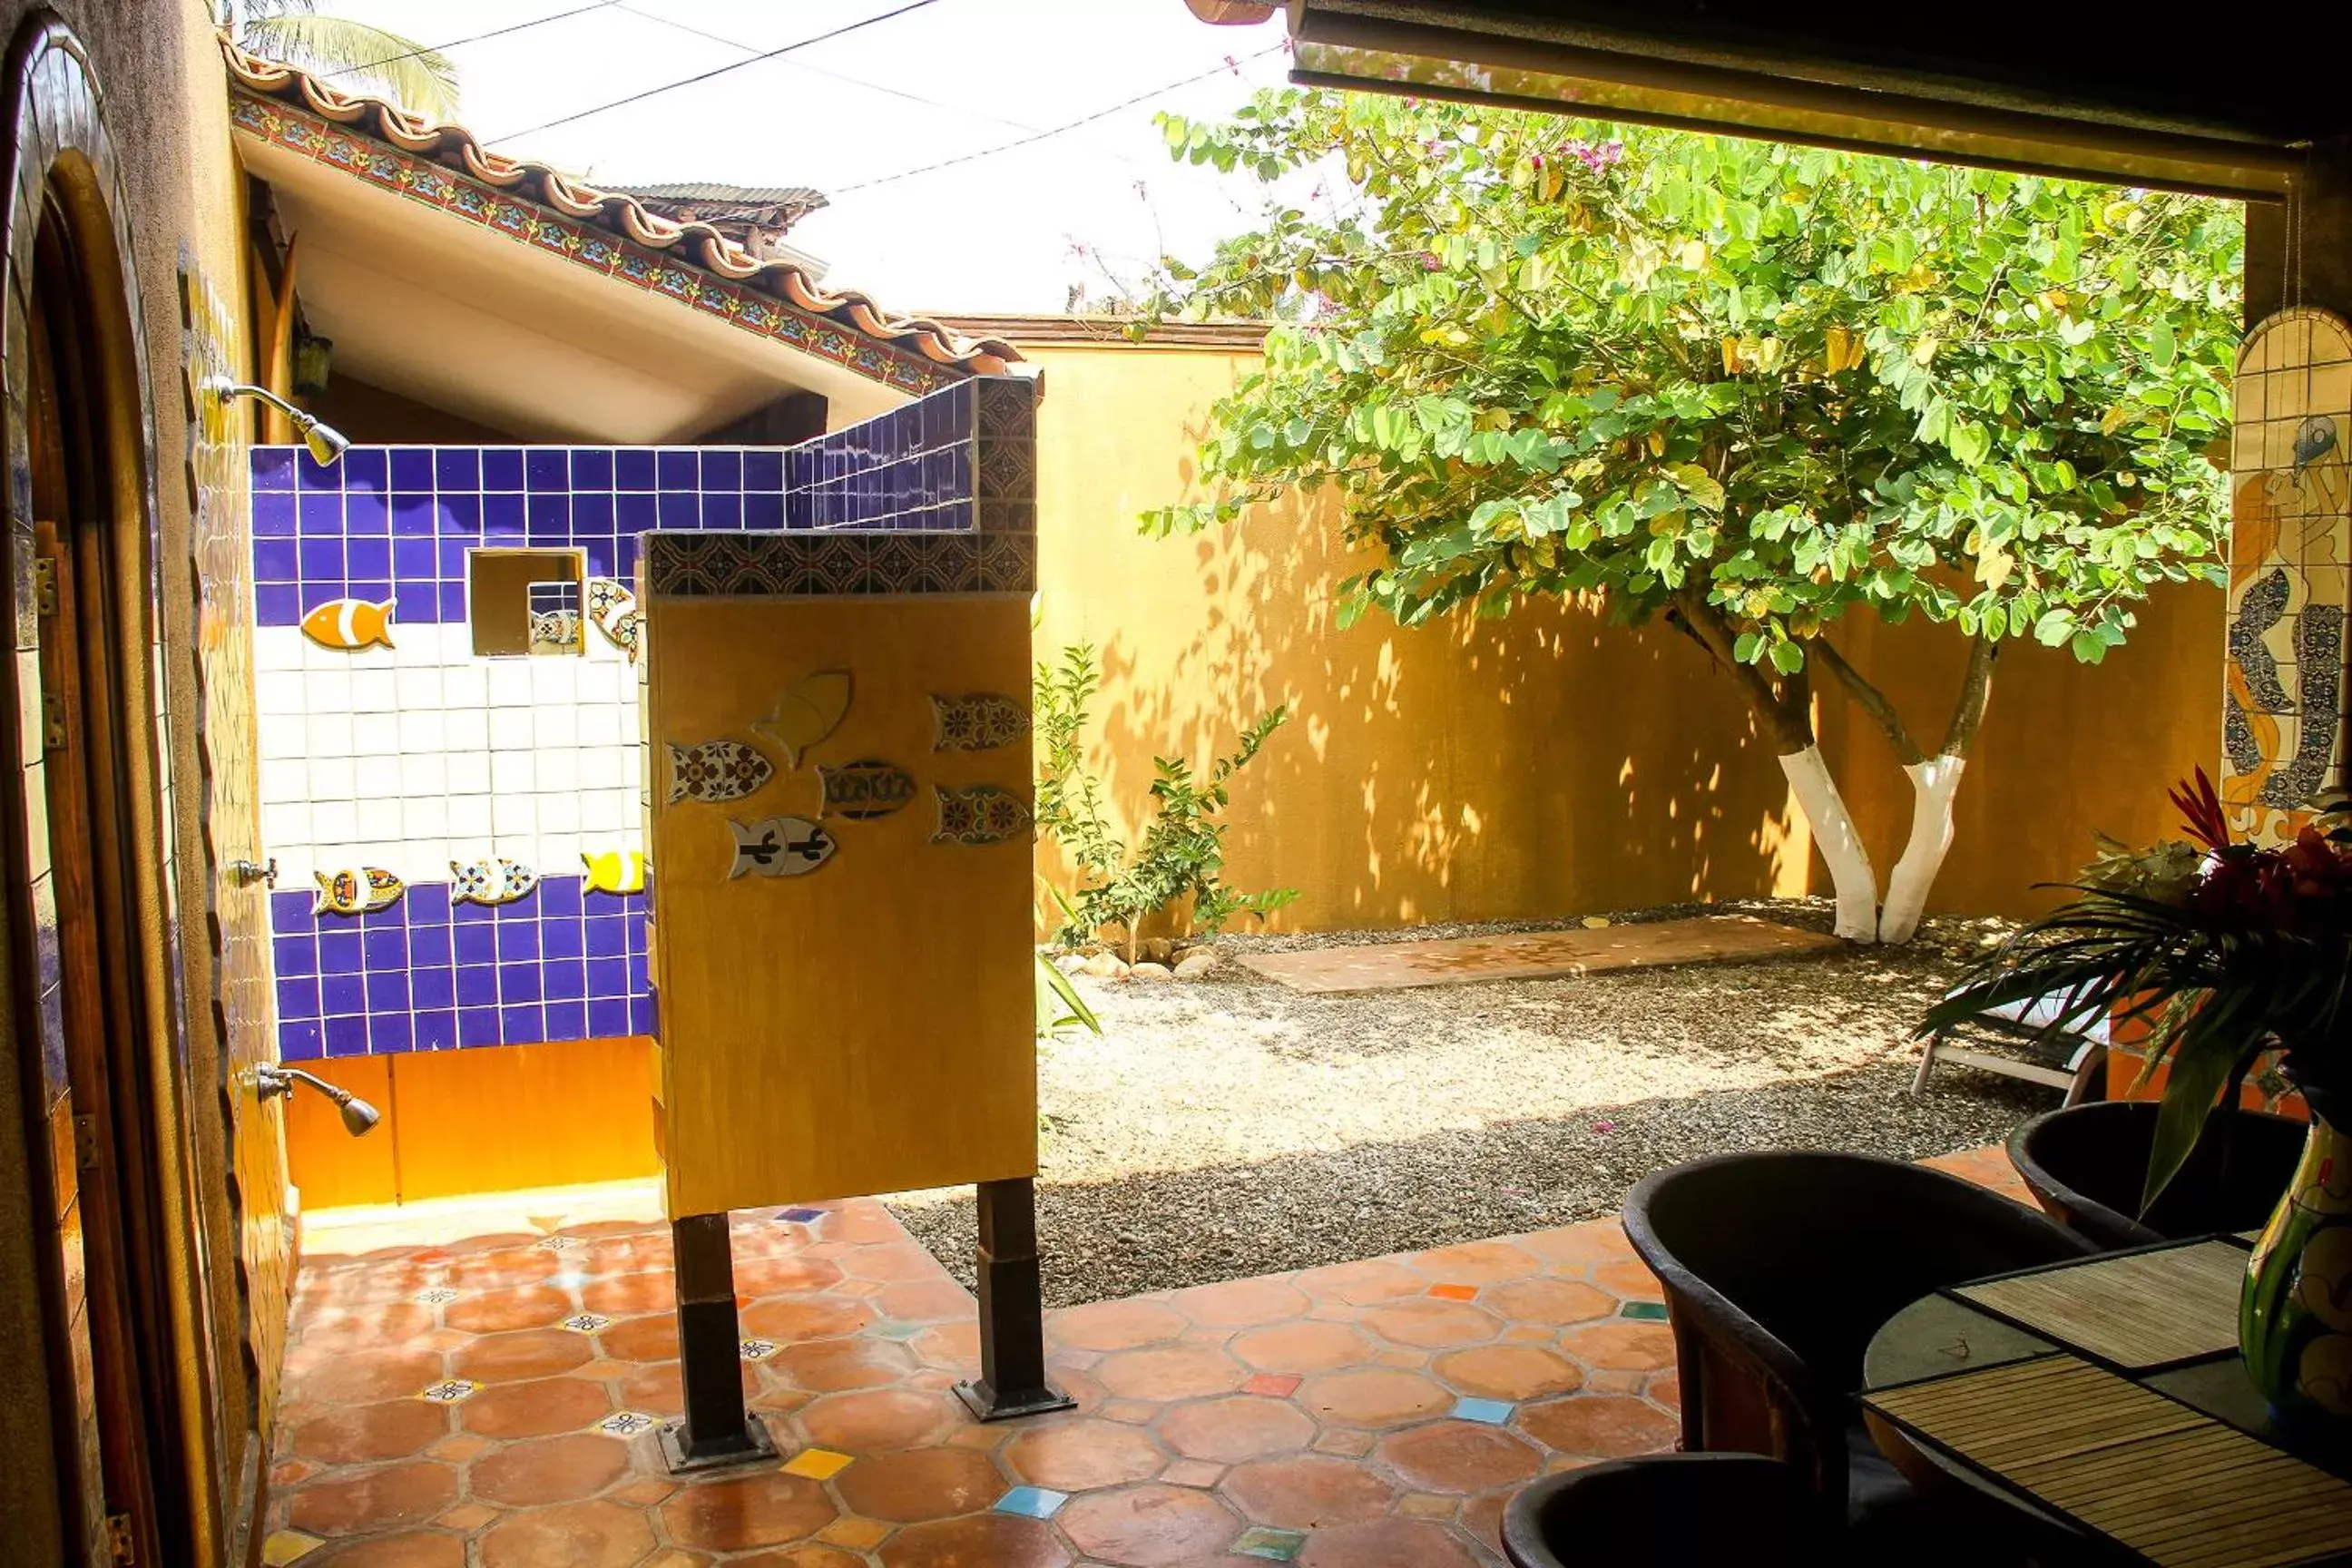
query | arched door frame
(62,167)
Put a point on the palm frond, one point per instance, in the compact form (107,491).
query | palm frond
(355,55)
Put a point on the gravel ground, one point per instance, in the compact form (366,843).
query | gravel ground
(1233,1127)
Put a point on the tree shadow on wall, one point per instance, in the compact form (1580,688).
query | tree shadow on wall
(1547,763)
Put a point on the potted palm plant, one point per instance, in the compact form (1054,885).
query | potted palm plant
(2226,952)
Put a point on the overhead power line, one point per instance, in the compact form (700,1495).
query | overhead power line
(714,72)
(472,38)
(1059,129)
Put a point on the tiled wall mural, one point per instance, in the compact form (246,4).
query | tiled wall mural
(457,819)
(238,926)
(2290,572)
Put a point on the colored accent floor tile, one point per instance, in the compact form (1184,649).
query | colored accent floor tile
(1335,1415)
(818,1464)
(1529,955)
(1644,1312)
(1031,1503)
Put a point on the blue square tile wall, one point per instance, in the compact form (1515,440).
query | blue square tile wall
(559,964)
(395,523)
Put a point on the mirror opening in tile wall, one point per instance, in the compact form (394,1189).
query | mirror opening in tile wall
(522,601)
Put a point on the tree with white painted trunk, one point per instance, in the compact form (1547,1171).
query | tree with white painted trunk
(1751,389)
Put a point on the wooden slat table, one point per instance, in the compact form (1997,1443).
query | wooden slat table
(2106,1397)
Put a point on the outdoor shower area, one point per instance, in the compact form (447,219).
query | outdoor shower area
(450,660)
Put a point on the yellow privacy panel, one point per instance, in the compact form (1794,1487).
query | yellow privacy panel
(841,842)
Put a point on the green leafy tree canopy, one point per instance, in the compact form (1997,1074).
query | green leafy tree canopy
(355,56)
(1752,387)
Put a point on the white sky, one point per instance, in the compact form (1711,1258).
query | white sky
(996,234)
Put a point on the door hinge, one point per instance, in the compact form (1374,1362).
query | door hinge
(85,1142)
(119,1539)
(44,585)
(53,722)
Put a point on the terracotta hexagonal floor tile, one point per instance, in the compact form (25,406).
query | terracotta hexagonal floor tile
(1230,1431)
(1362,1284)
(880,1420)
(982,1541)
(1458,1457)
(1477,1262)
(951,1347)
(1387,1543)
(517,1357)
(1632,1280)
(1301,1347)
(1373,1396)
(500,1311)
(369,1433)
(925,1301)
(1508,1372)
(1667,1389)
(651,1338)
(790,1318)
(1483,1517)
(1432,1323)
(807,1555)
(1149,1526)
(550,1469)
(632,1295)
(788,1274)
(1080,1455)
(328,1333)
(921,1484)
(891,1260)
(1605,1426)
(388,1498)
(763,1508)
(1241,1303)
(829,1366)
(1309,1493)
(660,1389)
(1622,1345)
(1553,1302)
(1113,1326)
(425,1549)
(536,1409)
(585,1535)
(1579,1246)
(366,1379)
(1170,1372)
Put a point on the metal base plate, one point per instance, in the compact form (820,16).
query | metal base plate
(986,1405)
(679,1462)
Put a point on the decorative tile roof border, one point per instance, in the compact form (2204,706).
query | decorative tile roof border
(830,566)
(443,167)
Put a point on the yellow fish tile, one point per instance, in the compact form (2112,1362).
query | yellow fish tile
(615,871)
(350,623)
(807,713)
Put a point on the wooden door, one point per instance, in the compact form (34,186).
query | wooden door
(84,732)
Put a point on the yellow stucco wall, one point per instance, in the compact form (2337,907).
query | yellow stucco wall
(1551,764)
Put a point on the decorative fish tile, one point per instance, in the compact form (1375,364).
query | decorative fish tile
(979,814)
(615,871)
(494,880)
(555,631)
(779,847)
(350,623)
(355,892)
(606,594)
(807,713)
(861,791)
(717,770)
(626,631)
(977,721)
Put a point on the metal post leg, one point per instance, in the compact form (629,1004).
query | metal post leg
(717,1429)
(1012,1379)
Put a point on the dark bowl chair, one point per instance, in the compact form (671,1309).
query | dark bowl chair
(1664,1510)
(1777,1269)
(2087,1164)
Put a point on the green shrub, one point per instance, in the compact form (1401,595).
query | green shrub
(1184,850)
